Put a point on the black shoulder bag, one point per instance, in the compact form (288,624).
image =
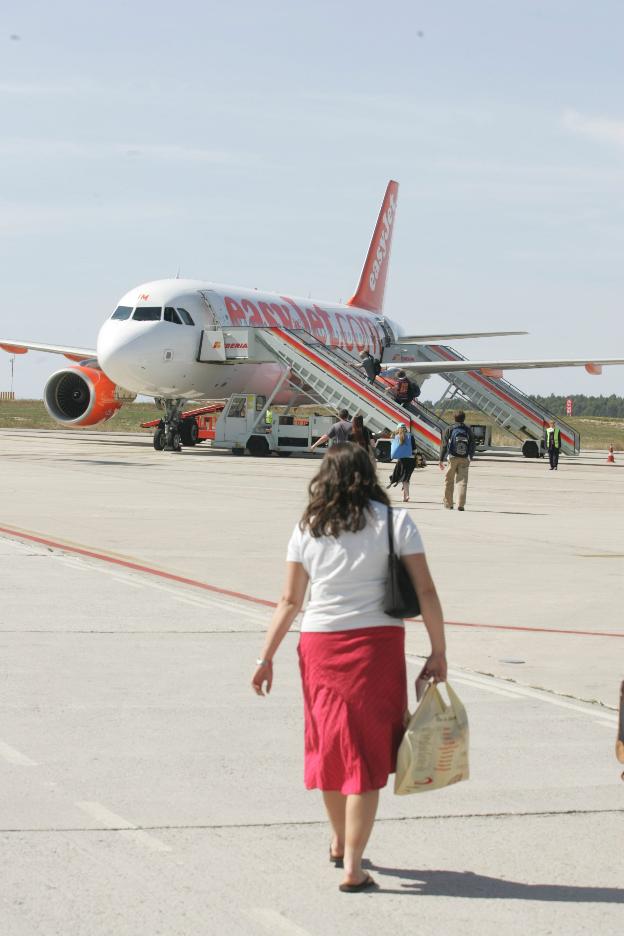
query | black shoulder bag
(400,600)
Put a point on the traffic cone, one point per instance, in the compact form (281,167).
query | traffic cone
(611,456)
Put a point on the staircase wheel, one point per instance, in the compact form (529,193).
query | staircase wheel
(258,446)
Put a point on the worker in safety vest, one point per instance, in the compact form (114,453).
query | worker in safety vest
(268,417)
(553,444)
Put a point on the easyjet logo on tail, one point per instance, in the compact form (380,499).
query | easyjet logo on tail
(382,243)
(369,294)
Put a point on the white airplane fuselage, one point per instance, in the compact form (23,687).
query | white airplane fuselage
(159,357)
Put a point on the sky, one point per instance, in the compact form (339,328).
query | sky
(251,143)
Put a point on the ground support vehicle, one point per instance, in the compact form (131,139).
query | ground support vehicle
(247,424)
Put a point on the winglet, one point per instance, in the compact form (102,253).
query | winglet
(370,292)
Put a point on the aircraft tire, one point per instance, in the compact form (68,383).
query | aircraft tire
(189,431)
(159,438)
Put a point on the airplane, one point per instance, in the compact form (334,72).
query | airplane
(151,343)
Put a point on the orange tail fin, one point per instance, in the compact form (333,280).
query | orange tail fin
(370,292)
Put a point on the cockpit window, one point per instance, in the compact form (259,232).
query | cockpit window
(186,317)
(172,316)
(147,314)
(122,312)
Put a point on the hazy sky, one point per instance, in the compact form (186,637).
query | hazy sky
(251,143)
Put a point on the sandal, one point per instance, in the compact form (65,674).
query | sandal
(366,884)
(336,860)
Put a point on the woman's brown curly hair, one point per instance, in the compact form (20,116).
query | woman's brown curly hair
(341,492)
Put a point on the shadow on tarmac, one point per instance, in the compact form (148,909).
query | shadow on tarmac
(467,884)
(436,505)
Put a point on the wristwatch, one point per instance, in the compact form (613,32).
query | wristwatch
(262,662)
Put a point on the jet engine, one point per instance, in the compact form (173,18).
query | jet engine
(83,396)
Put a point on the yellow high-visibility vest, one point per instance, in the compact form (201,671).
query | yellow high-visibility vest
(557,439)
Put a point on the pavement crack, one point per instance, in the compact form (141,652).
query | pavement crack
(291,823)
(553,692)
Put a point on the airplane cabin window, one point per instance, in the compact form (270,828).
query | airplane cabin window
(172,316)
(186,317)
(122,312)
(147,314)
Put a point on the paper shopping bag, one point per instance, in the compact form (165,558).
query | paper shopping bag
(434,749)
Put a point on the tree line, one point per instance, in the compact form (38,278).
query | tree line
(582,405)
(612,406)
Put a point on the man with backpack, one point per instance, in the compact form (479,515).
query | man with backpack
(405,391)
(371,365)
(458,448)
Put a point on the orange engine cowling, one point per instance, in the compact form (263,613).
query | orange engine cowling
(83,396)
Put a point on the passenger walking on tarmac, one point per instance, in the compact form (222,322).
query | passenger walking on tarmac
(351,654)
(553,444)
(339,432)
(362,436)
(458,448)
(403,449)
(370,364)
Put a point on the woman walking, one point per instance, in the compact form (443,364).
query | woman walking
(362,436)
(402,448)
(351,654)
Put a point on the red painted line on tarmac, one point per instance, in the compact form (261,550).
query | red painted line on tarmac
(538,630)
(196,583)
(135,566)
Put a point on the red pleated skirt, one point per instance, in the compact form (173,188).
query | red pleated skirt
(355,696)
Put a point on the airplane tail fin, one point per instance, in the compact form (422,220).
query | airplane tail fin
(370,291)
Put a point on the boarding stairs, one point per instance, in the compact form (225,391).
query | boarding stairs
(328,375)
(509,407)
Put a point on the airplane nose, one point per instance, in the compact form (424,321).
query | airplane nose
(123,353)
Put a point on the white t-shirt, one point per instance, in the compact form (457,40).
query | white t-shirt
(348,572)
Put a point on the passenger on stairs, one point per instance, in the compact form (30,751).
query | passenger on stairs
(405,390)
(371,365)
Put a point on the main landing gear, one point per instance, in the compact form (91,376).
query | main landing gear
(168,433)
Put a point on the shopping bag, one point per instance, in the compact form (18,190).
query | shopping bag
(434,750)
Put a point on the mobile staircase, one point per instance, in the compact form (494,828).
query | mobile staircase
(509,407)
(327,375)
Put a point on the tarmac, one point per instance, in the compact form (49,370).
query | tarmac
(147,790)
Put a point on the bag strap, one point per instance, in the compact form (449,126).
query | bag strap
(390,536)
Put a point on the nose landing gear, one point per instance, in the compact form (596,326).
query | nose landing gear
(168,435)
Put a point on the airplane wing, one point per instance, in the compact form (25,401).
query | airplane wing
(22,347)
(429,339)
(495,368)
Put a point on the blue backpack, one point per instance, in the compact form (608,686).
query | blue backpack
(459,441)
